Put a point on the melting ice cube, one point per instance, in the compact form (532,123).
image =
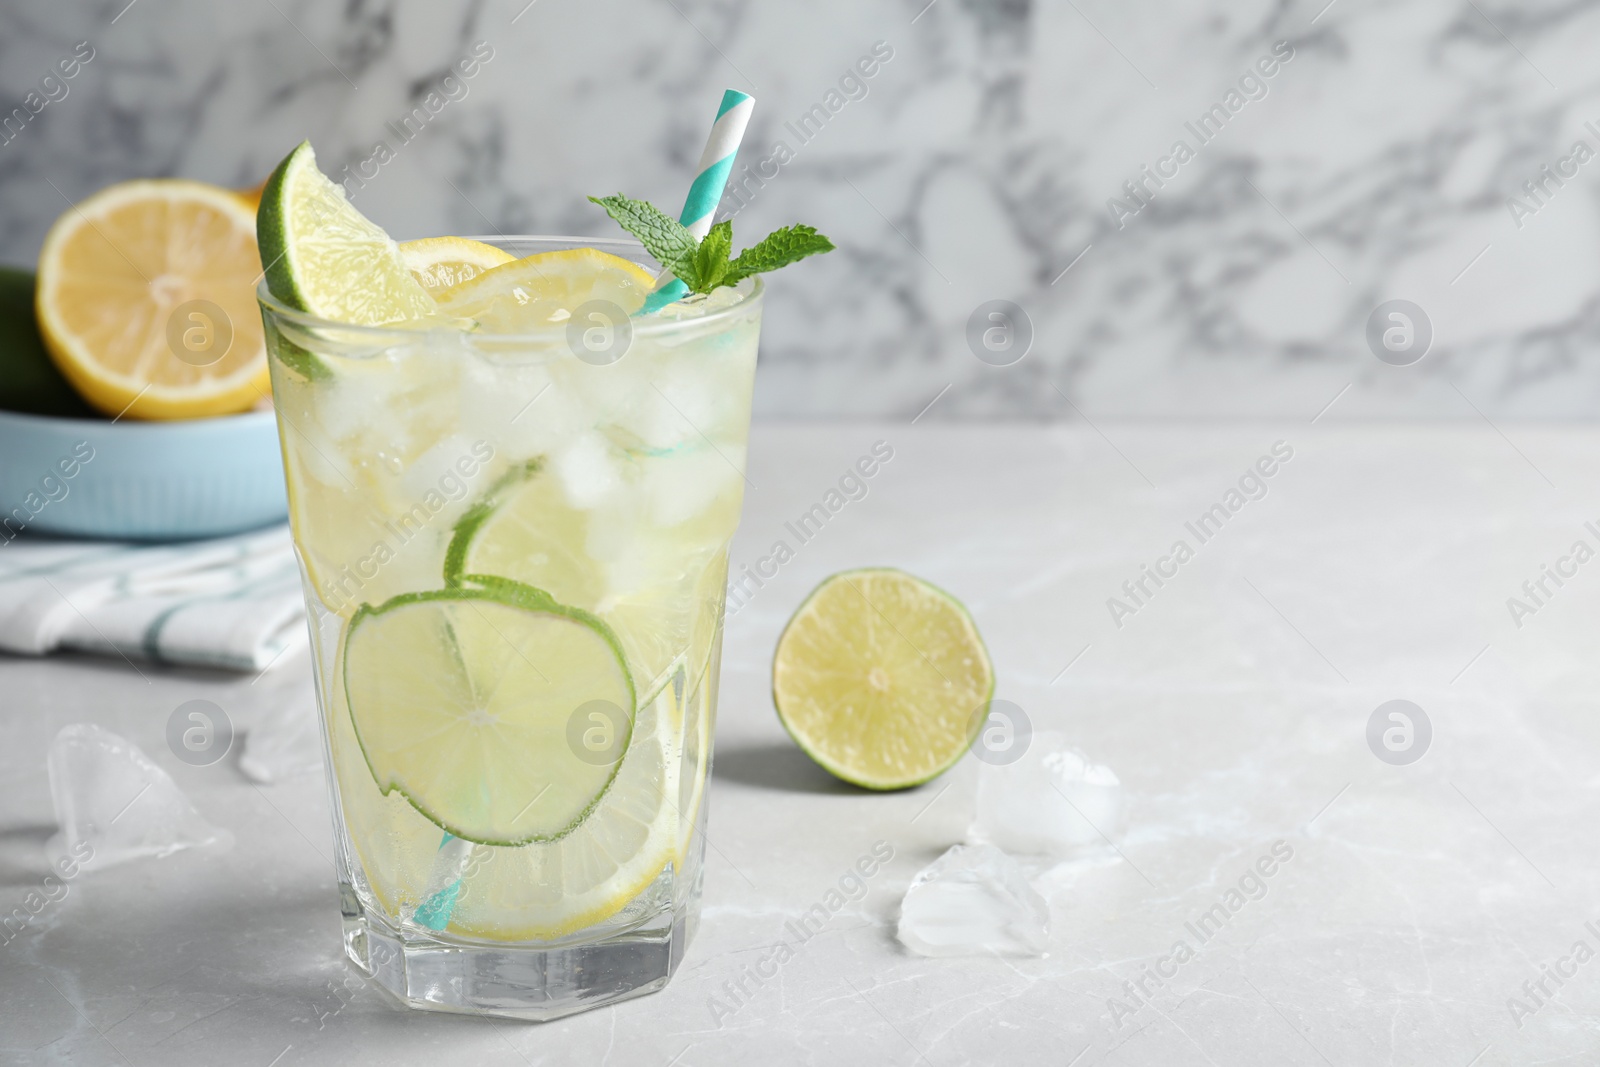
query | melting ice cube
(973,900)
(1053,801)
(113,804)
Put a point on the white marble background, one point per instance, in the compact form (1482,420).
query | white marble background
(977,166)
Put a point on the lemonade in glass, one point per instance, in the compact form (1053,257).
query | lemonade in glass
(512,503)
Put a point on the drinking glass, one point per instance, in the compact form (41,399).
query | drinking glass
(514,551)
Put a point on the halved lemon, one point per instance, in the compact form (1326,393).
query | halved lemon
(146,300)
(440,262)
(544,290)
(882,678)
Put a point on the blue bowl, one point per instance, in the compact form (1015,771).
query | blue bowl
(146,481)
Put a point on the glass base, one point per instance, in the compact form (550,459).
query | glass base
(518,981)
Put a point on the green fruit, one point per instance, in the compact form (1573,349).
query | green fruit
(882,678)
(324,257)
(463,700)
(29,381)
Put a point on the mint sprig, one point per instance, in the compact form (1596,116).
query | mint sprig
(705,265)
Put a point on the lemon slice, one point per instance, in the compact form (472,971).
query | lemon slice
(881,678)
(323,256)
(525,529)
(440,262)
(146,301)
(545,289)
(463,702)
(547,890)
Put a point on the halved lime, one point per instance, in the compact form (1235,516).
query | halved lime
(525,529)
(463,701)
(323,256)
(881,678)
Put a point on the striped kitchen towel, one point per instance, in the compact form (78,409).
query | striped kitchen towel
(233,602)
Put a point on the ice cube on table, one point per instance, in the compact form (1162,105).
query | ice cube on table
(974,900)
(114,805)
(1053,801)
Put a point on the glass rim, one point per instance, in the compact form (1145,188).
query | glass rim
(652,326)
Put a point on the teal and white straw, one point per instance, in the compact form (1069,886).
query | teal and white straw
(444,883)
(711,178)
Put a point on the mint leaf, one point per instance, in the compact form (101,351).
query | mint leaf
(704,265)
(711,258)
(778,249)
(661,234)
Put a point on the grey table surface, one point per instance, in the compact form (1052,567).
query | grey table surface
(1419,912)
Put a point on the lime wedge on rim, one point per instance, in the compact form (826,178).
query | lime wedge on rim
(463,699)
(882,678)
(324,257)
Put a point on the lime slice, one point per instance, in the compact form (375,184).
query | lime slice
(661,601)
(881,678)
(440,262)
(463,701)
(545,289)
(323,256)
(543,890)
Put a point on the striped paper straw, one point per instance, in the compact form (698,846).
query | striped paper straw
(711,178)
(444,883)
